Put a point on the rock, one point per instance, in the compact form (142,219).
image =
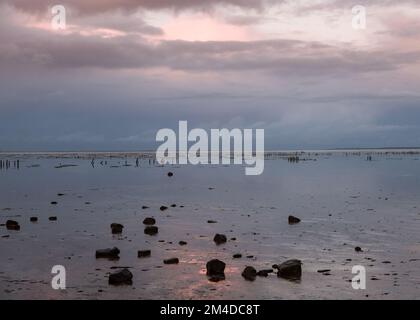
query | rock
(293,220)
(121,277)
(12,225)
(182,243)
(151,230)
(323,270)
(170,174)
(60,194)
(143,253)
(54,202)
(358,249)
(264,273)
(33,219)
(149,221)
(116,228)
(163,208)
(291,269)
(110,253)
(216,270)
(171,261)
(249,273)
(211,221)
(219,238)
(145,207)
(237,256)
(173,205)
(53,218)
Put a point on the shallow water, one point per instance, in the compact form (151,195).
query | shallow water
(343,200)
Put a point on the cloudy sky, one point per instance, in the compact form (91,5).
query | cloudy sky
(123,69)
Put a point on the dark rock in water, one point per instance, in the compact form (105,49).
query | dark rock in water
(211,221)
(323,270)
(171,261)
(149,221)
(182,243)
(145,207)
(52,218)
(163,208)
(173,205)
(33,219)
(293,220)
(291,269)
(170,174)
(54,202)
(60,194)
(237,256)
(219,238)
(358,249)
(264,273)
(144,253)
(116,228)
(121,277)
(12,225)
(110,253)
(151,230)
(249,273)
(216,270)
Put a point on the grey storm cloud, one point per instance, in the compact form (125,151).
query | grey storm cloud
(94,6)
(23,47)
(72,91)
(345,4)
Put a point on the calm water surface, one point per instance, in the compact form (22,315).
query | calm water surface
(343,201)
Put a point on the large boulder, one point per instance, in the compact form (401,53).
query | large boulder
(109,253)
(171,261)
(12,225)
(249,273)
(290,269)
(144,253)
(293,220)
(151,230)
(121,277)
(219,238)
(264,273)
(116,228)
(216,270)
(149,221)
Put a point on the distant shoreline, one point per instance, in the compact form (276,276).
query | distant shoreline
(396,150)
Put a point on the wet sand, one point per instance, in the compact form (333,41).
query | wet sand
(344,200)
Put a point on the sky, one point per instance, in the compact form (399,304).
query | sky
(123,69)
